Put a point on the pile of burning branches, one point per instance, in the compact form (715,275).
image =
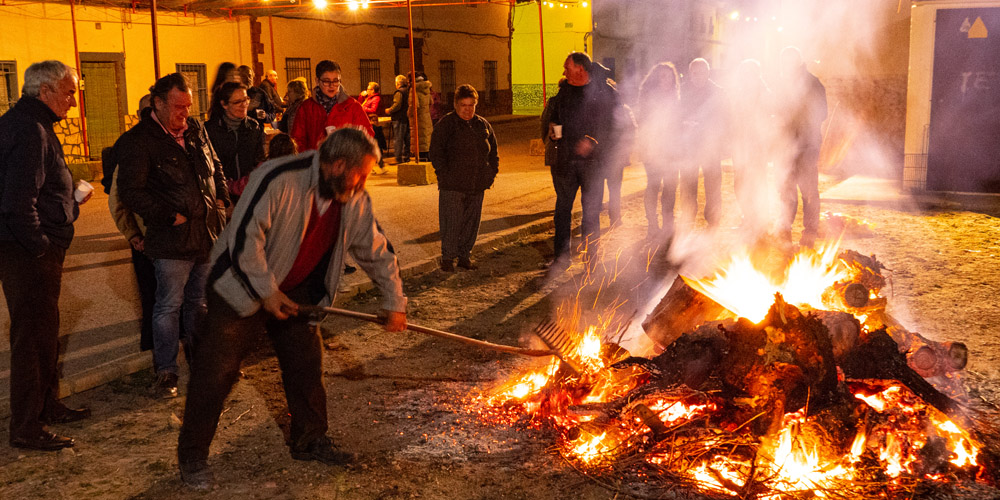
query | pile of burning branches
(800,387)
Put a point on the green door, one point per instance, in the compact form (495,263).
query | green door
(101,104)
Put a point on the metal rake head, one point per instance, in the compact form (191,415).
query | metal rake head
(560,341)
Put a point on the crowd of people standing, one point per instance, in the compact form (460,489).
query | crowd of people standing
(232,231)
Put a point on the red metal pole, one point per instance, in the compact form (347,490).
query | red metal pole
(541,42)
(156,42)
(413,71)
(270,25)
(79,75)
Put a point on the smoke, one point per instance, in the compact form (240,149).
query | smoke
(770,127)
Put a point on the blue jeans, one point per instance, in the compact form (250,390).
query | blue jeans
(401,140)
(568,178)
(180,289)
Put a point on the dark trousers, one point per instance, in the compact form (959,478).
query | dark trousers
(223,345)
(459,215)
(401,140)
(614,177)
(661,189)
(145,277)
(711,169)
(31,285)
(802,174)
(567,179)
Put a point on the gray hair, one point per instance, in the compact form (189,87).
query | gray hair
(351,144)
(49,73)
(400,79)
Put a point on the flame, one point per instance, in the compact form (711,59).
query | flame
(588,447)
(748,291)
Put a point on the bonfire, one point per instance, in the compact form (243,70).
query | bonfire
(788,381)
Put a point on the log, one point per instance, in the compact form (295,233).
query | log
(682,309)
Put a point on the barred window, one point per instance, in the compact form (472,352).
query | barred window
(489,93)
(195,75)
(448,83)
(296,67)
(8,85)
(370,72)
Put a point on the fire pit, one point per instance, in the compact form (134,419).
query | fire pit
(767,380)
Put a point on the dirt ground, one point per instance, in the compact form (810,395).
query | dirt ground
(403,400)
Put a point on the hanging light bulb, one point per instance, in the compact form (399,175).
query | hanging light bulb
(353,5)
(364,4)
(585,4)
(319,4)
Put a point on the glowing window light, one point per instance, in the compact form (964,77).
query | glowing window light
(353,5)
(319,4)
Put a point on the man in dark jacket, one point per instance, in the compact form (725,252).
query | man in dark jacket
(801,111)
(170,176)
(464,154)
(400,120)
(270,88)
(582,121)
(37,210)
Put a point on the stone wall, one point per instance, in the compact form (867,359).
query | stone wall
(867,123)
(71,138)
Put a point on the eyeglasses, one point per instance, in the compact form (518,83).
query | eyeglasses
(239,102)
(329,83)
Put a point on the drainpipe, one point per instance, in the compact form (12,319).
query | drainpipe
(270,26)
(413,71)
(79,74)
(541,43)
(156,42)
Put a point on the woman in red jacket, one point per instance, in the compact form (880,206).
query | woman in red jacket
(328,109)
(371,98)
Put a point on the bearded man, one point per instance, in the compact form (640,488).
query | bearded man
(297,219)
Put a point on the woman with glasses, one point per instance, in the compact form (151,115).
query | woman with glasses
(238,140)
(328,109)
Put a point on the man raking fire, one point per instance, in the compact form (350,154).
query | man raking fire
(290,231)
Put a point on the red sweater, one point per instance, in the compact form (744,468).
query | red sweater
(311,121)
(321,232)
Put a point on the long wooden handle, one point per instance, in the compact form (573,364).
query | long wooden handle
(430,331)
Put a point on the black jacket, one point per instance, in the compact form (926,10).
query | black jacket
(400,105)
(464,154)
(240,150)
(158,179)
(36,188)
(584,111)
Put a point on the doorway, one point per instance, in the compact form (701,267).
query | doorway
(102,83)
(402,45)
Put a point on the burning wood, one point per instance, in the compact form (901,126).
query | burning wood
(811,397)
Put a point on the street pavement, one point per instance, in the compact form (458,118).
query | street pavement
(99,303)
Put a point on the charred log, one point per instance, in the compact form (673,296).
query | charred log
(681,310)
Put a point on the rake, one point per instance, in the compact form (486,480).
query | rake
(309,309)
(560,342)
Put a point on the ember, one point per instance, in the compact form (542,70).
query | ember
(785,383)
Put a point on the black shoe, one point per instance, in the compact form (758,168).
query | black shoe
(166,385)
(197,475)
(467,263)
(448,265)
(323,450)
(67,415)
(44,440)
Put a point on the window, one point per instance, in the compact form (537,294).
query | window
(8,85)
(448,83)
(370,72)
(195,75)
(298,67)
(489,82)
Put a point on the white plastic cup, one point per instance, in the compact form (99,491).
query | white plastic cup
(557,131)
(83,190)
(330,129)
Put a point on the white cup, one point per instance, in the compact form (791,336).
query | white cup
(83,189)
(557,131)
(330,129)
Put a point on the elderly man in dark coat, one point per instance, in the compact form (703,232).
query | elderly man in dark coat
(37,211)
